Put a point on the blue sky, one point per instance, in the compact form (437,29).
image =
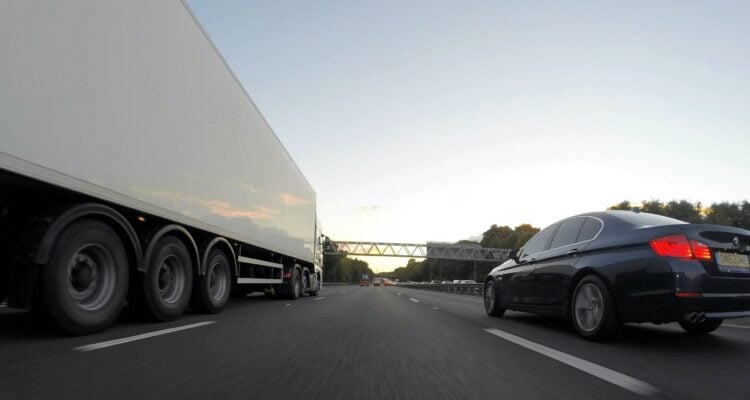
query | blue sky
(431,120)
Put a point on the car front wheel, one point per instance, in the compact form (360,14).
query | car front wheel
(492,300)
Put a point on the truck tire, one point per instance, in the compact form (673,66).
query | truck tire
(164,290)
(86,280)
(314,291)
(211,291)
(295,285)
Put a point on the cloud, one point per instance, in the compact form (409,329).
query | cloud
(218,207)
(375,207)
(292,200)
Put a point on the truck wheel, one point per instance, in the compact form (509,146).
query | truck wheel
(86,280)
(295,285)
(211,291)
(305,283)
(314,291)
(167,284)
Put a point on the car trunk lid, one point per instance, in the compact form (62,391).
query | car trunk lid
(730,248)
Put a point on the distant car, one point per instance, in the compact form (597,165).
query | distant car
(444,282)
(468,281)
(376,283)
(603,269)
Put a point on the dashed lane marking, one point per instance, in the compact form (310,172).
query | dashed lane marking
(413,299)
(110,343)
(611,376)
(319,298)
(736,326)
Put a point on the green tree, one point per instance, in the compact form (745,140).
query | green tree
(729,214)
(623,205)
(682,210)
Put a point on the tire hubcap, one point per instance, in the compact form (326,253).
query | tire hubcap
(91,277)
(589,307)
(171,279)
(217,283)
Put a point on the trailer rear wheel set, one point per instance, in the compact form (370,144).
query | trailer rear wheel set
(94,265)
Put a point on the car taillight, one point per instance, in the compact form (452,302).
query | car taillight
(679,246)
(701,251)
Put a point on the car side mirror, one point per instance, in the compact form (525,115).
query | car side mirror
(513,255)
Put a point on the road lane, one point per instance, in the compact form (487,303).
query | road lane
(367,343)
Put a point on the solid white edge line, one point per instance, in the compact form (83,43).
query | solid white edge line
(413,299)
(319,298)
(611,376)
(115,342)
(736,326)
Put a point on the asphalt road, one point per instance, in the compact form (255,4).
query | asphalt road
(355,342)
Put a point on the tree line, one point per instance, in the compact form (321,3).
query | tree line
(724,213)
(343,269)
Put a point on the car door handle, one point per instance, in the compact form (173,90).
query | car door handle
(572,252)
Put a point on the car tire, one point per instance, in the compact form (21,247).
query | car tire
(701,328)
(592,310)
(492,300)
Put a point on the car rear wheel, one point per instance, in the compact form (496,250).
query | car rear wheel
(492,300)
(704,327)
(593,310)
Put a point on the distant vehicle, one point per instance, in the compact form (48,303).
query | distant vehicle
(134,165)
(447,282)
(364,280)
(468,282)
(603,269)
(376,283)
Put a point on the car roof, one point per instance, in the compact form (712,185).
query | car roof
(631,219)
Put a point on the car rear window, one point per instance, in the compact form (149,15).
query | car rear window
(643,220)
(589,230)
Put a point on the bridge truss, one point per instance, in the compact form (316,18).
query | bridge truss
(437,250)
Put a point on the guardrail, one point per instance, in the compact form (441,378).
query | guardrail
(471,289)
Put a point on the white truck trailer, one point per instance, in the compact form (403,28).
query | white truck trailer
(135,168)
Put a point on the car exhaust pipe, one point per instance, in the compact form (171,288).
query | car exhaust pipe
(695,317)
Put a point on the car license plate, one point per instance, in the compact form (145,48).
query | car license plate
(733,260)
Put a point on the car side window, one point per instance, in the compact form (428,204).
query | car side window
(539,242)
(567,233)
(590,228)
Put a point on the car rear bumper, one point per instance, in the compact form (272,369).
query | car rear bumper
(670,308)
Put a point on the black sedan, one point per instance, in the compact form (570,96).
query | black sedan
(603,269)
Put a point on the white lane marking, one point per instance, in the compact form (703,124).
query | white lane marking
(611,376)
(737,326)
(435,308)
(319,298)
(398,293)
(110,343)
(413,299)
(287,304)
